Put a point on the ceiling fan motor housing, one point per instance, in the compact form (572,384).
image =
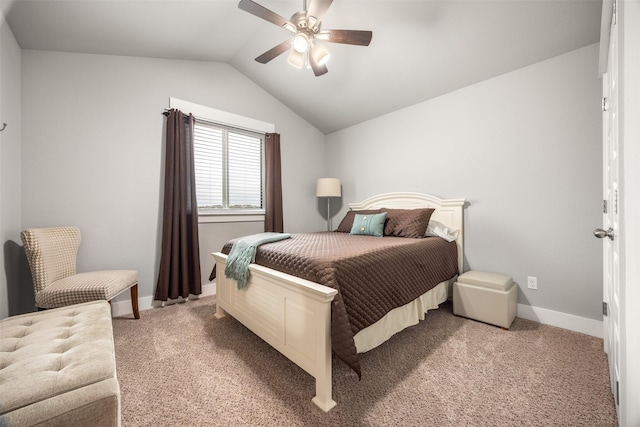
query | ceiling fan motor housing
(310,26)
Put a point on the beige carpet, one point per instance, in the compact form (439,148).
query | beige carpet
(180,366)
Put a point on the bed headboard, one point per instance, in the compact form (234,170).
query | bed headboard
(447,211)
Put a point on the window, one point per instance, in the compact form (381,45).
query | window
(229,166)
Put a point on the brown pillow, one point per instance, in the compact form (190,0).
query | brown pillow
(347,221)
(407,222)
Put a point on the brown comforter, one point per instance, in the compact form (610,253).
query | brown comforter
(373,275)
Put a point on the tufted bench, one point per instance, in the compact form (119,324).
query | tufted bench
(58,368)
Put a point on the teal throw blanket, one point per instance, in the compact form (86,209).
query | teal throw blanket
(243,253)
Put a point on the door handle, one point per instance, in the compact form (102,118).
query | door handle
(601,234)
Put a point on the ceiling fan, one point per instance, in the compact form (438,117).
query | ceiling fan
(304,26)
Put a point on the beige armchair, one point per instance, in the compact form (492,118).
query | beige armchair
(52,253)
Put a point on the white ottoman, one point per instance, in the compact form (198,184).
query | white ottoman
(487,297)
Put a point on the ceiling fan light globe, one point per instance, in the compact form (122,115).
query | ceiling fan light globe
(296,58)
(300,43)
(324,59)
(320,54)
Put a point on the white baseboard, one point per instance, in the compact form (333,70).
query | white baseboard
(561,320)
(542,315)
(123,308)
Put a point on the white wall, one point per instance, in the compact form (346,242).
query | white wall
(93,151)
(524,149)
(13,297)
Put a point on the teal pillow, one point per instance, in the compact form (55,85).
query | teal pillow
(369,225)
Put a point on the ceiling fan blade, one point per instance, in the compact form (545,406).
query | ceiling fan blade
(357,37)
(273,52)
(317,8)
(318,69)
(264,13)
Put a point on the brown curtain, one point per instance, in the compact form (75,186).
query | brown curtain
(273,186)
(179,273)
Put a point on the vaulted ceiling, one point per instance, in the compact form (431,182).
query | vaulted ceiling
(420,48)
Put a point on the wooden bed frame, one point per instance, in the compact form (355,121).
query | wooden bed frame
(293,315)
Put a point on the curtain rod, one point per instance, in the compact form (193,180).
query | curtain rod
(253,131)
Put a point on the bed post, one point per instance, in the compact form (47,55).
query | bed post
(219,312)
(323,398)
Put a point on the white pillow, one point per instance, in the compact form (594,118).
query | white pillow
(438,229)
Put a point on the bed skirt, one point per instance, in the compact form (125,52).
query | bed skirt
(402,317)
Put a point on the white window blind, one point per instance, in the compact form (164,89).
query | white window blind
(229,166)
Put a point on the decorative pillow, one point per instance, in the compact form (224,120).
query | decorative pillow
(347,221)
(407,222)
(438,229)
(369,225)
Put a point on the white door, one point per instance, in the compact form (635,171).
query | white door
(611,263)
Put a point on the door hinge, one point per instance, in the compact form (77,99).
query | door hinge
(605,309)
(605,104)
(604,206)
(617,392)
(615,202)
(614,17)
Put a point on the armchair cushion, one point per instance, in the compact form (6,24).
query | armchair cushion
(85,287)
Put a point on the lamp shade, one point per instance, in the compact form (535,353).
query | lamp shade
(328,187)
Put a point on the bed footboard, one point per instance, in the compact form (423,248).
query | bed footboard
(292,315)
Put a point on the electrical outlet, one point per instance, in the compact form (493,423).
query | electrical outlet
(532,282)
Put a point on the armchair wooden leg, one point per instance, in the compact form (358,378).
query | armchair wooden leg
(134,301)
